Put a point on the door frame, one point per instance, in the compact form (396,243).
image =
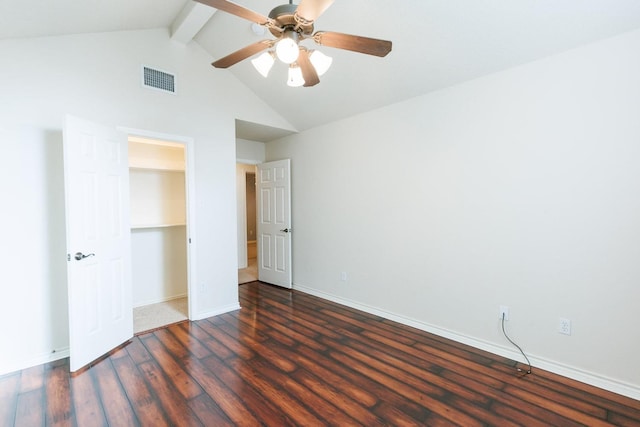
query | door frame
(190,204)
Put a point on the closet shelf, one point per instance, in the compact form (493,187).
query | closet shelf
(143,226)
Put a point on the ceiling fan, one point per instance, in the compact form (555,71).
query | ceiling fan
(290,24)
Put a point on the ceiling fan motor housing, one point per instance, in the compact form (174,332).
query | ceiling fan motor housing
(284,17)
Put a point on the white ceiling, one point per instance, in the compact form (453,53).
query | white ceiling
(35,18)
(436,43)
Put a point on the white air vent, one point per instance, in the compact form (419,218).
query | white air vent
(160,80)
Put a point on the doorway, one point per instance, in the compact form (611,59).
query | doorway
(273,222)
(250,273)
(247,229)
(159,259)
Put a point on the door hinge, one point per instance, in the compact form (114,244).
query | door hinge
(189,239)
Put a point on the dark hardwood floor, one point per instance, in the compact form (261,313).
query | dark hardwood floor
(288,358)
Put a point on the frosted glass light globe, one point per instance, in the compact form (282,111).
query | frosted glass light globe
(263,63)
(287,50)
(295,78)
(320,61)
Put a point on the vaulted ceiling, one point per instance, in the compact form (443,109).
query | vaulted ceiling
(436,43)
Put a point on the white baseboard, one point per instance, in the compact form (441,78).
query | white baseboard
(217,311)
(159,300)
(13,366)
(18,365)
(590,378)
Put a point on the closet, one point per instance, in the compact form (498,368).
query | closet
(158,232)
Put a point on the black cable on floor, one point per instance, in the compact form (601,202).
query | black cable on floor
(528,371)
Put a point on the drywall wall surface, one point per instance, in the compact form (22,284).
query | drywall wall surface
(159,264)
(251,152)
(521,188)
(33,307)
(98,77)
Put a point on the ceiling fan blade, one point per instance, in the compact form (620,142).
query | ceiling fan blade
(309,10)
(309,73)
(241,54)
(236,9)
(353,43)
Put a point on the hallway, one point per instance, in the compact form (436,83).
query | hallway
(249,274)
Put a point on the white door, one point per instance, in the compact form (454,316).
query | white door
(274,223)
(98,239)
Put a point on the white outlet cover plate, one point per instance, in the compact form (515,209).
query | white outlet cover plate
(504,309)
(564,326)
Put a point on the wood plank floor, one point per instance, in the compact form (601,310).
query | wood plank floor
(288,358)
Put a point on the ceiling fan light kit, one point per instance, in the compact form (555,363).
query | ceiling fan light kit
(292,24)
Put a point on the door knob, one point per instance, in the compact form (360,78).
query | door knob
(286,230)
(80,255)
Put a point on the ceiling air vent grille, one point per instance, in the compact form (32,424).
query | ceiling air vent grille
(160,80)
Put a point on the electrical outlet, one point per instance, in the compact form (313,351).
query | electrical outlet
(564,326)
(343,276)
(504,311)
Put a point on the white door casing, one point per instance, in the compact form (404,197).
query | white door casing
(97,219)
(274,223)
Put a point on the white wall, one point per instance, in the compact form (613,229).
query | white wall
(157,197)
(250,152)
(158,264)
(97,77)
(521,188)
